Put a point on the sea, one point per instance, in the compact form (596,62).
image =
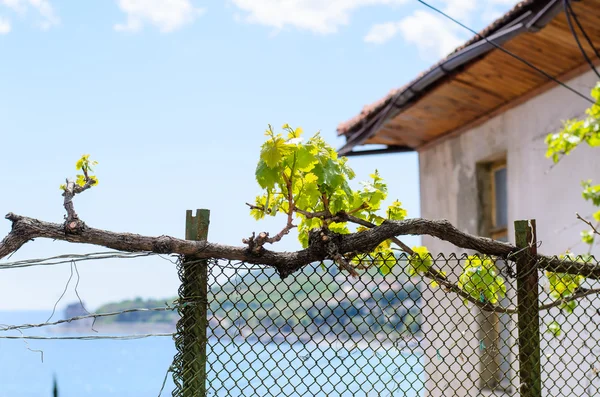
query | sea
(139,368)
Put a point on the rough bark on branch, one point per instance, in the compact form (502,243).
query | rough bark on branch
(72,222)
(25,229)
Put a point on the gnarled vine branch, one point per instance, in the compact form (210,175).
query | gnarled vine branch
(25,229)
(323,243)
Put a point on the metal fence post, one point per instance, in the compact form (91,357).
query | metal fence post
(191,340)
(527,309)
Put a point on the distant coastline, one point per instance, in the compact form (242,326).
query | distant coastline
(143,322)
(310,309)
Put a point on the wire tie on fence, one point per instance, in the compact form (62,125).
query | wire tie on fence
(164,382)
(532,242)
(481,345)
(515,253)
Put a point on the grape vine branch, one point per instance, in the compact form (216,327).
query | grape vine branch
(309,183)
(26,229)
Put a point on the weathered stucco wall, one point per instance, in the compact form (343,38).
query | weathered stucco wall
(551,195)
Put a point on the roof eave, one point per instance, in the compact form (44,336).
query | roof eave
(528,21)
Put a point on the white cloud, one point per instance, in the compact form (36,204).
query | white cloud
(4,25)
(319,16)
(432,34)
(461,9)
(382,32)
(15,5)
(41,7)
(46,11)
(166,15)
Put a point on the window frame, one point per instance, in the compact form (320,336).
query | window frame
(497,233)
(496,328)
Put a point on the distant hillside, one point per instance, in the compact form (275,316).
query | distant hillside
(314,301)
(138,317)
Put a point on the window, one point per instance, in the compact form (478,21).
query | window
(496,328)
(499,207)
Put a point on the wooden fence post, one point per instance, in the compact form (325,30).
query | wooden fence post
(195,315)
(527,309)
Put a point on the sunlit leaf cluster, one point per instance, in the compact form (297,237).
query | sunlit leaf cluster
(420,262)
(563,285)
(576,131)
(554,329)
(307,181)
(481,280)
(573,133)
(85,165)
(592,193)
(562,143)
(304,178)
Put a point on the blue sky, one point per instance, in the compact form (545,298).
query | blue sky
(172,98)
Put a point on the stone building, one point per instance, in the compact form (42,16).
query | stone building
(478,120)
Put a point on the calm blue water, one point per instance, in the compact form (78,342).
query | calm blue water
(137,367)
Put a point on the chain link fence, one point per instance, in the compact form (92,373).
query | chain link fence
(315,333)
(320,332)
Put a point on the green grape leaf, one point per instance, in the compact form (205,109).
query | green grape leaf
(591,192)
(587,236)
(395,211)
(305,158)
(338,202)
(82,162)
(385,262)
(554,329)
(420,262)
(481,280)
(563,285)
(568,307)
(374,218)
(260,202)
(266,176)
(80,180)
(338,227)
(273,150)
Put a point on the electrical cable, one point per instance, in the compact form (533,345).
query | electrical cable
(377,121)
(570,14)
(541,71)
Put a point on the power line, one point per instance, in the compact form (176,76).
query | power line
(377,121)
(571,14)
(86,337)
(542,72)
(77,318)
(68,258)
